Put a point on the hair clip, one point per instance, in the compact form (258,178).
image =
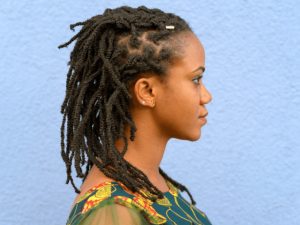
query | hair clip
(170,27)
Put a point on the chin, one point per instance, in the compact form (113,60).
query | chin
(196,138)
(191,137)
(197,135)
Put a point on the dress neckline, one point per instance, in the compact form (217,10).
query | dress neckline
(171,187)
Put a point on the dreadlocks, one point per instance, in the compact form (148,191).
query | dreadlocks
(112,50)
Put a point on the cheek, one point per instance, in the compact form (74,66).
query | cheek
(178,118)
(180,103)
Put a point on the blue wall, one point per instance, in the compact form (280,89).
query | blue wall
(244,170)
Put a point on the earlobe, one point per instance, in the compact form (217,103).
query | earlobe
(152,103)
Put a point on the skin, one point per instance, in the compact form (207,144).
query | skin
(171,110)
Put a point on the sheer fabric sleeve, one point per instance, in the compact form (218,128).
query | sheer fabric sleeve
(114,214)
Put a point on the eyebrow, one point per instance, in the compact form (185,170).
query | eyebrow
(199,68)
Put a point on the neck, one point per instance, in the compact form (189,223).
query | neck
(147,149)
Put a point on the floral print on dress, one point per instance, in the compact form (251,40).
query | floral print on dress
(172,209)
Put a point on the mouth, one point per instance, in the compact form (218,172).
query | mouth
(202,118)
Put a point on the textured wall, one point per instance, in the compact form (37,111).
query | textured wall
(245,168)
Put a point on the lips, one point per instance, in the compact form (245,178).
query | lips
(203,116)
(203,120)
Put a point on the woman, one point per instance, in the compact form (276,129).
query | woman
(135,73)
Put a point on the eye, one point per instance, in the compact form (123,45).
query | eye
(198,78)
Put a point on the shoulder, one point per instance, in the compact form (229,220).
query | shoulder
(92,181)
(109,213)
(107,200)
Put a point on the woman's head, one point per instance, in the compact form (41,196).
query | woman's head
(176,104)
(114,53)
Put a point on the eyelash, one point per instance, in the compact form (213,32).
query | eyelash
(198,78)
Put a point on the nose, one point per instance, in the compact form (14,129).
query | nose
(206,96)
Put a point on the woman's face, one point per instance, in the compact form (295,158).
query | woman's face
(182,99)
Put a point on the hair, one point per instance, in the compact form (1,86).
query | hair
(111,52)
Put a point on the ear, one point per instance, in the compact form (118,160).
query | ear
(145,90)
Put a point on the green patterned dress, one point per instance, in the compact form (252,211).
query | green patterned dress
(112,203)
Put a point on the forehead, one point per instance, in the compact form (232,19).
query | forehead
(192,58)
(194,55)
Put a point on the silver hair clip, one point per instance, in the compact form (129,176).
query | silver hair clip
(170,27)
